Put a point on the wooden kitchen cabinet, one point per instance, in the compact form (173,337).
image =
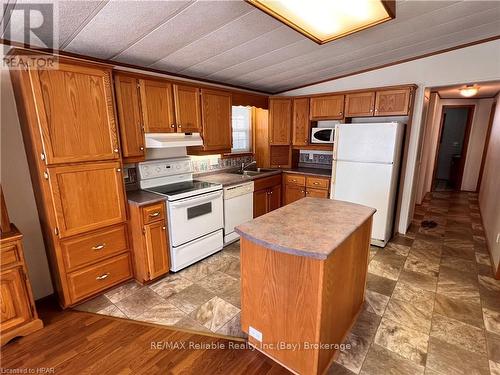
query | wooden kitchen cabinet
(280,121)
(187,109)
(392,102)
(87,196)
(216,113)
(157,106)
(297,186)
(328,107)
(267,195)
(75,113)
(148,226)
(130,117)
(293,193)
(361,104)
(301,124)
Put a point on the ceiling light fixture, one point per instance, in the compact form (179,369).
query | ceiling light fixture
(327,20)
(469,91)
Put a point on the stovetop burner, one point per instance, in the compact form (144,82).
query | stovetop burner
(181,187)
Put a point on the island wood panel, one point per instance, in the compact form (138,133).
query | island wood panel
(392,102)
(130,118)
(157,105)
(280,121)
(187,109)
(360,104)
(344,283)
(75,113)
(87,196)
(328,107)
(301,124)
(280,297)
(216,119)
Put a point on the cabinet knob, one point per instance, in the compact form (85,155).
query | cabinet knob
(116,150)
(316,183)
(179,126)
(376,109)
(172,126)
(103,276)
(118,169)
(141,148)
(164,228)
(340,113)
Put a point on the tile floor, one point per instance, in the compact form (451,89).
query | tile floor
(432,304)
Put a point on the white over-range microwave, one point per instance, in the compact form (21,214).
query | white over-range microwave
(322,135)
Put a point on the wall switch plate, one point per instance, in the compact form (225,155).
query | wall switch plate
(257,335)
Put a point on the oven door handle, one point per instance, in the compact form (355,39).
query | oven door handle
(196,200)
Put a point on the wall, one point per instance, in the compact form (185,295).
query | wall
(472,64)
(489,202)
(16,183)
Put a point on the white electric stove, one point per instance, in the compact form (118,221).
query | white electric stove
(194,209)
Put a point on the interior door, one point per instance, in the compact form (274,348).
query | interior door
(216,118)
(14,300)
(75,111)
(129,116)
(157,104)
(157,248)
(187,109)
(87,196)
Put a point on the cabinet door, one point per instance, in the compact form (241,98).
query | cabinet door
(301,124)
(293,193)
(392,102)
(157,248)
(260,202)
(216,119)
(274,198)
(316,193)
(329,107)
(157,105)
(87,197)
(129,116)
(280,121)
(75,111)
(187,109)
(14,309)
(360,105)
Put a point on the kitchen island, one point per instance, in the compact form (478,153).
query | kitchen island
(303,276)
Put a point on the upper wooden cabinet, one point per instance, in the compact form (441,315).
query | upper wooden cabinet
(280,121)
(328,107)
(301,123)
(87,196)
(392,102)
(360,104)
(157,106)
(216,120)
(75,113)
(187,109)
(129,116)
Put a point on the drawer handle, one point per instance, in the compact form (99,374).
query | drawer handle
(315,183)
(98,247)
(103,276)
(154,214)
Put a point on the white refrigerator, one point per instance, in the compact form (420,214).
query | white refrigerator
(366,161)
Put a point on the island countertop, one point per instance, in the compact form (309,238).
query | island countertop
(311,227)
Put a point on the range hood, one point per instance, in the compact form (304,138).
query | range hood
(165,140)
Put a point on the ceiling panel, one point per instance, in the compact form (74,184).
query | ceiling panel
(123,18)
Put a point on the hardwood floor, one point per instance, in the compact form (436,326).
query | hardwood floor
(74,342)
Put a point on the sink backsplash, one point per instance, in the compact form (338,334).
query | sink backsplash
(318,159)
(212,163)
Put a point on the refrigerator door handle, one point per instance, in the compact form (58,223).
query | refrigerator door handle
(365,161)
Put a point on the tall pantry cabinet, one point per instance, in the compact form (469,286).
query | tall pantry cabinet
(70,133)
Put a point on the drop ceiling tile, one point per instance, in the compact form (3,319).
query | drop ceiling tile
(189,25)
(241,30)
(121,23)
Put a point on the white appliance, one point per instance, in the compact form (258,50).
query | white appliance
(194,209)
(166,140)
(238,208)
(366,162)
(322,135)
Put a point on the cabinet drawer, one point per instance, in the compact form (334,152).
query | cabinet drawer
(92,247)
(316,193)
(9,254)
(152,213)
(267,182)
(317,182)
(295,179)
(100,276)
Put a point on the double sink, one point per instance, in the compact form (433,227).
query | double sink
(253,173)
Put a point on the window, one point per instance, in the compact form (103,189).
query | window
(242,125)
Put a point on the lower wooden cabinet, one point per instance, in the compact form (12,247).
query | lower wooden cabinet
(293,193)
(266,195)
(18,316)
(297,186)
(150,241)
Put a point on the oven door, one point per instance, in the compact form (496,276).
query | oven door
(194,217)
(320,135)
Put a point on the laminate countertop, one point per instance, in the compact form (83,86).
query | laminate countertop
(142,197)
(228,179)
(310,171)
(310,227)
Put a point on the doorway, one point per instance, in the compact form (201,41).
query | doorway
(456,123)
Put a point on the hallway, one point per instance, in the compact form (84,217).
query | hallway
(432,302)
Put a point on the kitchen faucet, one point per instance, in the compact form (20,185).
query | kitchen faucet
(245,166)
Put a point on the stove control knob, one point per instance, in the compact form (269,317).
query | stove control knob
(158,169)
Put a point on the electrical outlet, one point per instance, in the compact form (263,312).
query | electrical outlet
(311,156)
